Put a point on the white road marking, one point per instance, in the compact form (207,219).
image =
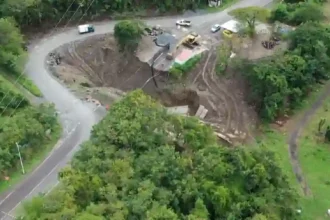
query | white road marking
(7,214)
(51,189)
(38,167)
(42,180)
(33,189)
(6,197)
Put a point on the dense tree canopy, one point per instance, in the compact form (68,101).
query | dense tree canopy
(142,163)
(280,83)
(298,13)
(128,34)
(28,127)
(11,42)
(31,127)
(37,12)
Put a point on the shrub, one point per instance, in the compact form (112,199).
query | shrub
(128,34)
(179,70)
(30,86)
(296,14)
(224,53)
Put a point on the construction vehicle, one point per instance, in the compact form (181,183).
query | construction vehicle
(191,40)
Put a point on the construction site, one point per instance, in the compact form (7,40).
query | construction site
(95,68)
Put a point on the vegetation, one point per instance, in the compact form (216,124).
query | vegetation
(35,12)
(142,163)
(249,16)
(298,13)
(128,34)
(179,70)
(279,84)
(11,42)
(305,67)
(30,86)
(314,157)
(224,52)
(20,123)
(31,128)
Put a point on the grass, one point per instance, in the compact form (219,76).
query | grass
(277,142)
(23,80)
(314,158)
(29,166)
(30,86)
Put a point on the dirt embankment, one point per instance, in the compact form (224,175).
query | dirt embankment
(96,64)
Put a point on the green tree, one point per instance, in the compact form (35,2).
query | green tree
(249,16)
(199,212)
(269,88)
(307,11)
(311,41)
(143,163)
(27,127)
(296,14)
(11,42)
(128,34)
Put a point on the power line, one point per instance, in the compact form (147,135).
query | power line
(54,29)
(25,68)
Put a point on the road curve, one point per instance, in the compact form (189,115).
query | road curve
(81,116)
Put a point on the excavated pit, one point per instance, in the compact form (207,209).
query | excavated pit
(95,67)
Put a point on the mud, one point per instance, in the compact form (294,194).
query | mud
(97,63)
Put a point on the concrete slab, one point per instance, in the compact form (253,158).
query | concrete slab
(180,110)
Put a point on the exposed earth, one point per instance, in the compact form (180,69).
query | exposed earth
(94,67)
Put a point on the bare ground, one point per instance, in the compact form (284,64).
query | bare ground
(96,64)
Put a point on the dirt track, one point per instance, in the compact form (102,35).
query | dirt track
(293,146)
(224,99)
(97,63)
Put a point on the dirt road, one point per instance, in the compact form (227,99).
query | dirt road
(293,146)
(81,115)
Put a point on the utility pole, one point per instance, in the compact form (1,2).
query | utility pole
(20,157)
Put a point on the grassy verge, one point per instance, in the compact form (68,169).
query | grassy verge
(30,86)
(314,158)
(29,166)
(23,81)
(277,141)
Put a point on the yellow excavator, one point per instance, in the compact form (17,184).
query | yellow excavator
(190,41)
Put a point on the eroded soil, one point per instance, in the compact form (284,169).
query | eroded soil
(97,63)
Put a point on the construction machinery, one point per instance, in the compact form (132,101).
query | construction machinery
(190,41)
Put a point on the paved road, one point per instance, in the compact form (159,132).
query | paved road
(76,114)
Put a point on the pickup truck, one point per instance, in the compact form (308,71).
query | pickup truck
(183,23)
(85,28)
